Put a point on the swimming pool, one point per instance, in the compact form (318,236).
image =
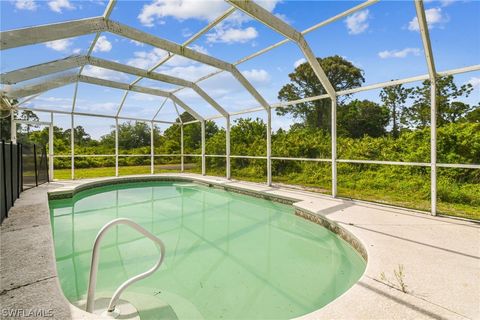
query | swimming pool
(228,255)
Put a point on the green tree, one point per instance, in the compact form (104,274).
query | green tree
(304,83)
(28,115)
(474,115)
(248,137)
(359,118)
(80,136)
(131,135)
(394,99)
(192,134)
(448,109)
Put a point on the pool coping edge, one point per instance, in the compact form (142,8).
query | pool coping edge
(300,210)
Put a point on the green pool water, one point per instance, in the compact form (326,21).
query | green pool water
(228,256)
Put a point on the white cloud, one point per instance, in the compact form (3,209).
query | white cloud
(58,5)
(102,45)
(97,107)
(230,30)
(199,48)
(357,22)
(399,53)
(26,5)
(76,51)
(59,45)
(186,32)
(190,72)
(268,5)
(104,73)
(444,3)
(137,43)
(181,9)
(232,35)
(434,17)
(258,76)
(157,10)
(54,99)
(475,82)
(146,59)
(299,62)
(142,97)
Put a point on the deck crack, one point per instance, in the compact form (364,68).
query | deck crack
(5,291)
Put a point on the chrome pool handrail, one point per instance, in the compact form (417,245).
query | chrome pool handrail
(95,259)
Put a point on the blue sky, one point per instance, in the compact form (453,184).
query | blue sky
(382,39)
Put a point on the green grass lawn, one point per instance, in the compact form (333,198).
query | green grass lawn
(84,173)
(408,192)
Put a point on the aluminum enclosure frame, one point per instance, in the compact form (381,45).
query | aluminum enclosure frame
(97,25)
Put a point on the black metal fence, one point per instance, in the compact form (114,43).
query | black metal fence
(21,167)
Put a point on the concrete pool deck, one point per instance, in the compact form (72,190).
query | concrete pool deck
(440,257)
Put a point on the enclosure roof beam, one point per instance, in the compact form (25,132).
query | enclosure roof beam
(42,69)
(140,89)
(169,55)
(157,76)
(427,46)
(51,32)
(32,35)
(138,35)
(56,82)
(106,15)
(80,61)
(281,42)
(209,99)
(51,83)
(95,115)
(267,18)
(193,38)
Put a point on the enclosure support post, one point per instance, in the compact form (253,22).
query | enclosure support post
(334,147)
(50,147)
(227,148)
(116,147)
(72,146)
(72,133)
(432,73)
(269,146)
(152,150)
(433,147)
(182,159)
(13,127)
(203,148)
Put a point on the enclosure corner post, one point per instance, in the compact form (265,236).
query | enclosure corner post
(269,146)
(227,148)
(182,157)
(152,146)
(72,146)
(116,146)
(50,148)
(203,148)
(334,147)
